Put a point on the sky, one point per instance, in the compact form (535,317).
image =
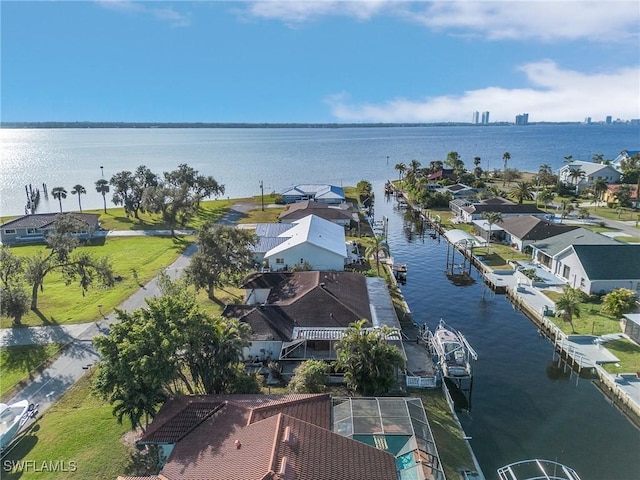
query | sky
(368,61)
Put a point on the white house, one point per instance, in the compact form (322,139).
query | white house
(547,252)
(624,156)
(311,241)
(600,268)
(320,193)
(591,173)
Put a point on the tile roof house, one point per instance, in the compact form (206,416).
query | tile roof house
(311,241)
(592,172)
(34,228)
(609,196)
(260,437)
(340,214)
(320,193)
(299,315)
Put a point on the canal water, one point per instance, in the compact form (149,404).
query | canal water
(522,406)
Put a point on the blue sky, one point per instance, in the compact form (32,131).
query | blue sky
(319,61)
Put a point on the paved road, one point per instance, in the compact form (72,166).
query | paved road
(46,387)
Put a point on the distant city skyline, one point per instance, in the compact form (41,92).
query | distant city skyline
(320,62)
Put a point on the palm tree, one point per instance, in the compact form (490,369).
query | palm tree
(506,156)
(401,167)
(599,187)
(546,197)
(59,193)
(377,247)
(569,304)
(492,218)
(79,190)
(576,174)
(102,187)
(598,158)
(522,191)
(568,158)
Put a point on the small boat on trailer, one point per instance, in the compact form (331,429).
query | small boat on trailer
(12,417)
(453,351)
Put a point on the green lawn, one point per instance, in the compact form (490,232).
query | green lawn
(19,363)
(590,322)
(62,304)
(626,214)
(78,431)
(628,353)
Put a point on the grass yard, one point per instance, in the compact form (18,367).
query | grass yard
(590,322)
(625,215)
(452,448)
(79,428)
(19,363)
(62,304)
(628,353)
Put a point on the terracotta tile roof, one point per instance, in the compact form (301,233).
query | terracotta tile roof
(265,437)
(153,477)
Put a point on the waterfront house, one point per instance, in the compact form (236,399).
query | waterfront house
(600,268)
(311,242)
(522,231)
(294,436)
(624,156)
(442,174)
(319,192)
(590,173)
(469,212)
(34,228)
(301,315)
(341,214)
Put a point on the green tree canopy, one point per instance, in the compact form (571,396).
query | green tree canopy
(370,364)
(224,255)
(618,302)
(311,376)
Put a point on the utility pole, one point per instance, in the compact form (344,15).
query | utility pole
(262,193)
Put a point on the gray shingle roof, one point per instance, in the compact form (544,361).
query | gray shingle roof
(580,236)
(528,227)
(45,220)
(610,262)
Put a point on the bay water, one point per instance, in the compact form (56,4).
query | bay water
(519,410)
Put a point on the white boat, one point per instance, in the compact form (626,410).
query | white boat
(11,419)
(453,351)
(536,469)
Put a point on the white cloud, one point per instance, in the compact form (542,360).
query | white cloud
(169,15)
(554,95)
(593,20)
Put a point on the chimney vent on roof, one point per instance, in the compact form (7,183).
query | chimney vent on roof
(322,285)
(286,438)
(237,444)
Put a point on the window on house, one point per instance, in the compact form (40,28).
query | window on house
(32,230)
(582,282)
(279,260)
(566,271)
(10,231)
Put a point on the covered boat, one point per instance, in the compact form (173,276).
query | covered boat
(453,351)
(11,417)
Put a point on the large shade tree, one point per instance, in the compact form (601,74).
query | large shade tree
(369,362)
(224,255)
(169,347)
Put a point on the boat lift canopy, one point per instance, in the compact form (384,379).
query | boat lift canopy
(460,237)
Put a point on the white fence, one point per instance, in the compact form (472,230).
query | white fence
(421,382)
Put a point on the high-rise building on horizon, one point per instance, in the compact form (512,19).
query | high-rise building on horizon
(485,118)
(476,117)
(587,120)
(608,120)
(522,119)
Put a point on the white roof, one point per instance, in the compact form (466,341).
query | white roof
(315,231)
(460,236)
(589,168)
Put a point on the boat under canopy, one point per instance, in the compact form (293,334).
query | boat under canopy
(453,351)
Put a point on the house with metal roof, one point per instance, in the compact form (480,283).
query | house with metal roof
(547,252)
(600,268)
(34,228)
(319,192)
(625,155)
(591,173)
(308,242)
(473,211)
(286,437)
